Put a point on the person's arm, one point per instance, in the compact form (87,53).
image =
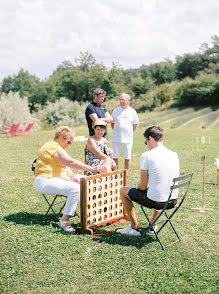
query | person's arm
(92,146)
(135,127)
(66,160)
(108,117)
(143,184)
(71,175)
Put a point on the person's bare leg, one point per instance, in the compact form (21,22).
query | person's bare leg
(65,218)
(129,207)
(127,163)
(117,162)
(155,215)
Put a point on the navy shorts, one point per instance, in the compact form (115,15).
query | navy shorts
(141,198)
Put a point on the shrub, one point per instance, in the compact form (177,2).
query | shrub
(13,108)
(156,97)
(62,112)
(204,90)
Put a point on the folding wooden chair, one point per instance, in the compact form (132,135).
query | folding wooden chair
(52,203)
(178,183)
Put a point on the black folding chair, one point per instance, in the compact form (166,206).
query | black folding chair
(182,183)
(54,198)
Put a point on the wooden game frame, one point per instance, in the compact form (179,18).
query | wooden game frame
(100,201)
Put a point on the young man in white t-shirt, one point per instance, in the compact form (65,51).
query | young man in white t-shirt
(159,166)
(125,121)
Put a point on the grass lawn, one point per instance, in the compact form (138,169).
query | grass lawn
(37,257)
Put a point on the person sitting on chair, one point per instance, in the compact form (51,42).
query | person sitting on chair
(159,166)
(54,175)
(97,150)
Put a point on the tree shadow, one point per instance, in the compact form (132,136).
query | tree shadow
(112,238)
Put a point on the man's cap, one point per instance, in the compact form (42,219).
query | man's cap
(99,123)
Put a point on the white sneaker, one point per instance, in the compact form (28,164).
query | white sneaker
(129,231)
(155,228)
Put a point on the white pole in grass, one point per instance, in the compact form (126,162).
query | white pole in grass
(203,208)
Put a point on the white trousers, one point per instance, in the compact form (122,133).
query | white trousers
(60,186)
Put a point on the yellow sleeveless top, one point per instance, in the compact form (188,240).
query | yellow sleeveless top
(47,166)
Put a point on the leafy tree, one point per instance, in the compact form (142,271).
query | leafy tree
(23,82)
(66,64)
(163,72)
(189,65)
(141,86)
(113,82)
(204,90)
(85,61)
(211,52)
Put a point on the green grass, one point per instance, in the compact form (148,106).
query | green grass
(37,257)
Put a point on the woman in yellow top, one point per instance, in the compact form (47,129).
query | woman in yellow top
(54,176)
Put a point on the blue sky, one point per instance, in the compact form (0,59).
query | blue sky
(38,35)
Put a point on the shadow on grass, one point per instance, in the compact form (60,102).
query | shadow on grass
(113,238)
(28,219)
(212,184)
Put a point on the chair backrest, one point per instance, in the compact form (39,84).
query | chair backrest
(182,182)
(13,128)
(28,127)
(179,182)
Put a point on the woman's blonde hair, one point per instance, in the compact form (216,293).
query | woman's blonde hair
(63,132)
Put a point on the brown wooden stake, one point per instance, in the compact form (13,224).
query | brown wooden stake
(203,208)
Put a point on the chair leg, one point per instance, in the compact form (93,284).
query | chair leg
(50,206)
(151,226)
(172,226)
(57,215)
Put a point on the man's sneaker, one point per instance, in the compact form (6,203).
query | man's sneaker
(151,231)
(130,231)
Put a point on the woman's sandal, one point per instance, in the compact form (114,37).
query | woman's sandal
(67,228)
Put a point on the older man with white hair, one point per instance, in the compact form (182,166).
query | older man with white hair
(125,121)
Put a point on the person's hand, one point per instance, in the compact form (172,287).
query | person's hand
(110,152)
(98,168)
(75,178)
(114,166)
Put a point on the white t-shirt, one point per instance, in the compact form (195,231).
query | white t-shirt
(123,120)
(162,165)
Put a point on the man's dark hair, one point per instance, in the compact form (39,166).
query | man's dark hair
(154,132)
(99,91)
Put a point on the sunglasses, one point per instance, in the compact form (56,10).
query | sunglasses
(68,142)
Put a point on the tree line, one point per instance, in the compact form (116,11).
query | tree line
(192,79)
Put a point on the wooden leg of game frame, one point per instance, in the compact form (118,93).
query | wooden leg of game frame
(84,231)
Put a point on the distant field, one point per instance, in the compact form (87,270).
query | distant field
(37,257)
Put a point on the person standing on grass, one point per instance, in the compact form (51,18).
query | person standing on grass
(159,166)
(125,121)
(95,111)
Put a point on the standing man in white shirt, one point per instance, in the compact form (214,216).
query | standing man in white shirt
(125,121)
